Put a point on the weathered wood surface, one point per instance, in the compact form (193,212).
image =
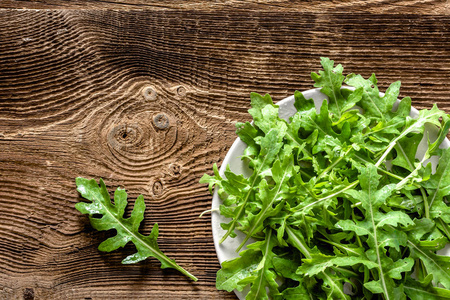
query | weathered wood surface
(373,6)
(79,91)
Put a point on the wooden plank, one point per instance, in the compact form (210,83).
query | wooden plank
(79,91)
(317,6)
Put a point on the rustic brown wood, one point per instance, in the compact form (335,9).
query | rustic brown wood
(303,6)
(147,100)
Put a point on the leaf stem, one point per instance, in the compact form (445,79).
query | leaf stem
(445,228)
(381,169)
(208,211)
(339,246)
(377,250)
(305,174)
(425,202)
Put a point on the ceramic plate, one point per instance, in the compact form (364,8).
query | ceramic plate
(226,250)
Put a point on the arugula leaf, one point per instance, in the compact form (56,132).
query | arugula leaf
(438,185)
(330,81)
(406,151)
(340,202)
(127,228)
(424,290)
(254,267)
(273,199)
(435,264)
(233,272)
(372,103)
(372,199)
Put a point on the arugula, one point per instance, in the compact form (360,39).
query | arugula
(127,228)
(339,201)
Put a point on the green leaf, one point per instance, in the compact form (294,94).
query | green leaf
(406,151)
(437,265)
(211,180)
(285,267)
(271,199)
(264,273)
(310,121)
(302,104)
(372,199)
(330,81)
(439,183)
(127,228)
(233,272)
(371,102)
(399,267)
(254,267)
(298,292)
(319,263)
(332,285)
(270,146)
(417,290)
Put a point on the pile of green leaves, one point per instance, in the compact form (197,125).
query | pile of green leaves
(338,198)
(105,215)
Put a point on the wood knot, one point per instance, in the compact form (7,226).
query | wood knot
(28,294)
(149,93)
(123,136)
(161,121)
(181,91)
(175,169)
(157,188)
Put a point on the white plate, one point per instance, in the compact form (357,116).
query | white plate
(227,250)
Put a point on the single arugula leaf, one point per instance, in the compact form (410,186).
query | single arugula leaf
(373,104)
(293,139)
(248,133)
(439,183)
(424,290)
(233,272)
(302,104)
(265,113)
(310,121)
(435,264)
(330,82)
(433,147)
(127,228)
(403,109)
(406,152)
(298,292)
(286,268)
(264,273)
(320,262)
(212,181)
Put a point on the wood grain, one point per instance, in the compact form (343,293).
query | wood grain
(317,6)
(147,100)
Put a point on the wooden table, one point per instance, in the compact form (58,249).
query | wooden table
(81,83)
